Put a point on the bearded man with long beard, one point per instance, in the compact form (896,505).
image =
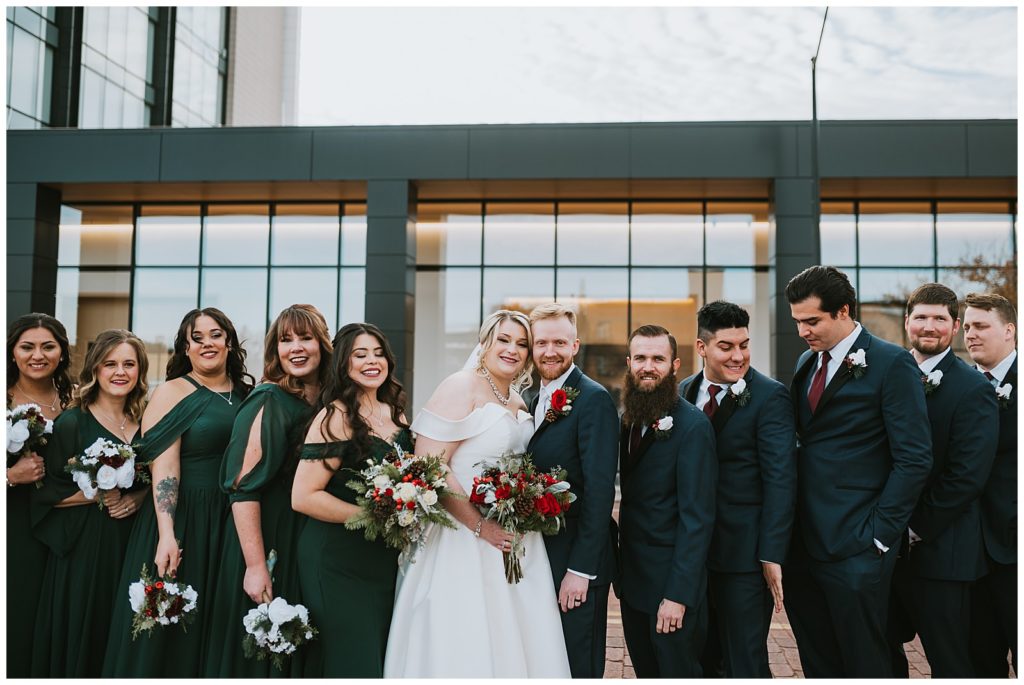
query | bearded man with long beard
(666,515)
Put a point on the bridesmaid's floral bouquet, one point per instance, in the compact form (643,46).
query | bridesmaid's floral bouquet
(105,465)
(276,630)
(27,429)
(160,602)
(399,499)
(521,499)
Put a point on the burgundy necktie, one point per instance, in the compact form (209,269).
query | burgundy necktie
(818,384)
(711,406)
(634,438)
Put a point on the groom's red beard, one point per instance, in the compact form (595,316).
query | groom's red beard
(644,407)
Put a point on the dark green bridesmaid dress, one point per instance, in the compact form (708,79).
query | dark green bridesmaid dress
(282,429)
(26,564)
(203,421)
(87,549)
(348,583)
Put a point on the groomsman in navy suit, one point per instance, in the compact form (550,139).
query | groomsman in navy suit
(990,332)
(577,428)
(864,455)
(667,452)
(932,586)
(756,442)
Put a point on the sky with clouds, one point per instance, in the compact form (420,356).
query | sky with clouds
(579,64)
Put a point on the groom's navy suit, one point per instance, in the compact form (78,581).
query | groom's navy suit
(666,519)
(584,443)
(932,584)
(863,458)
(994,627)
(756,496)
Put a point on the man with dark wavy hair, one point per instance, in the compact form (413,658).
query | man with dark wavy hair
(863,456)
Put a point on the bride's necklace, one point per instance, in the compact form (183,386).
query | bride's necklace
(231,386)
(504,399)
(52,405)
(112,420)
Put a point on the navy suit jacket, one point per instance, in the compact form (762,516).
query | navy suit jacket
(584,443)
(756,474)
(965,428)
(667,512)
(864,455)
(999,502)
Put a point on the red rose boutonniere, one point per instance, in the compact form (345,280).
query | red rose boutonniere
(561,403)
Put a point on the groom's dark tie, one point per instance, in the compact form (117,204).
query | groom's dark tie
(711,406)
(634,438)
(991,379)
(818,384)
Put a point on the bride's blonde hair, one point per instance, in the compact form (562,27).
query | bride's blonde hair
(489,334)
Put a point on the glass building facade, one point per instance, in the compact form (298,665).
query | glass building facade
(31,50)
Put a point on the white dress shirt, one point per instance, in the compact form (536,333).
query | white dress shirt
(1000,370)
(703,396)
(837,356)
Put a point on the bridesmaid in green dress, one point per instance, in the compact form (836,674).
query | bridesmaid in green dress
(38,359)
(348,583)
(87,544)
(185,429)
(256,474)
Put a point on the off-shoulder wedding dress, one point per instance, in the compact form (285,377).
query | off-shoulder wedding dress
(455,614)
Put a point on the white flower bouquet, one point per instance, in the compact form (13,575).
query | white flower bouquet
(276,630)
(27,429)
(399,498)
(105,465)
(160,602)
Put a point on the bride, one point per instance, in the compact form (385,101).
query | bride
(455,614)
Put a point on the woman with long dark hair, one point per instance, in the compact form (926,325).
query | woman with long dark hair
(38,362)
(87,543)
(348,583)
(256,473)
(185,429)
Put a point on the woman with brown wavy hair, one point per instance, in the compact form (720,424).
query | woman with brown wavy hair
(87,543)
(185,429)
(256,473)
(38,361)
(348,583)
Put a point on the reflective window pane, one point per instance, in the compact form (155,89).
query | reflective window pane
(737,234)
(965,238)
(839,239)
(305,234)
(318,287)
(448,233)
(353,236)
(167,236)
(593,233)
(242,295)
(890,239)
(447,315)
(236,235)
(95,236)
(160,300)
(519,289)
(668,234)
(522,234)
(600,297)
(669,298)
(352,298)
(749,289)
(89,302)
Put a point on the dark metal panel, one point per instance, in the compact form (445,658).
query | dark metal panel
(893,150)
(712,151)
(241,154)
(83,156)
(571,151)
(387,153)
(992,149)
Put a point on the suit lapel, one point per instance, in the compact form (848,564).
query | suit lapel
(641,450)
(729,405)
(798,389)
(572,382)
(844,373)
(690,390)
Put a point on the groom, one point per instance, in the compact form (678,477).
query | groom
(577,429)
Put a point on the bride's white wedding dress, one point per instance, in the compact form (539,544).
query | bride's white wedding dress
(455,614)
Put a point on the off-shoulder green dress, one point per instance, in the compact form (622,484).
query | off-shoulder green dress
(26,564)
(348,583)
(282,428)
(87,549)
(203,421)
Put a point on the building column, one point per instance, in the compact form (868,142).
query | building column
(391,269)
(791,249)
(33,220)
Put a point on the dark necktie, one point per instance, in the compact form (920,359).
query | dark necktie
(634,438)
(991,379)
(818,384)
(711,406)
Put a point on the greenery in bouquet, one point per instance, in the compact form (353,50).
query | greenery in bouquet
(399,498)
(275,630)
(27,429)
(160,602)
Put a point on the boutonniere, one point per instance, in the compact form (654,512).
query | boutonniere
(740,392)
(1003,393)
(857,362)
(931,381)
(662,428)
(561,403)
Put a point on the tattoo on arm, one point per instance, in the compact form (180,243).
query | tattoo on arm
(167,495)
